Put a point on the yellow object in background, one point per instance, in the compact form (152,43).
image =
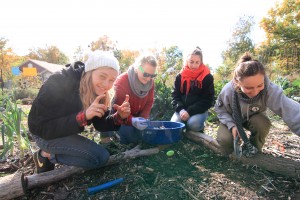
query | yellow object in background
(29,71)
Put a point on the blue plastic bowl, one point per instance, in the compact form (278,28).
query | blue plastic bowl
(162,132)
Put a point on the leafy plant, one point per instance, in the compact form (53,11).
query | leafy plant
(162,108)
(11,117)
(289,89)
(212,116)
(283,82)
(218,86)
(20,93)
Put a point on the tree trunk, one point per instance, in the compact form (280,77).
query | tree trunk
(15,185)
(279,165)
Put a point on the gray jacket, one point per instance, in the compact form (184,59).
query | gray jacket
(274,99)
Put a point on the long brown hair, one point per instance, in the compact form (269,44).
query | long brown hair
(87,95)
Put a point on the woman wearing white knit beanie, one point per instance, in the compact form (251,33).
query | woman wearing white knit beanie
(66,103)
(98,59)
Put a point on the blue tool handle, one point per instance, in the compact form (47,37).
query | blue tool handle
(98,188)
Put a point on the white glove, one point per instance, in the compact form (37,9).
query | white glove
(139,123)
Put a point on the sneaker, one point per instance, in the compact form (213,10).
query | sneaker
(42,164)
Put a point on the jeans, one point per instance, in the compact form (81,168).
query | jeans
(194,123)
(129,135)
(74,150)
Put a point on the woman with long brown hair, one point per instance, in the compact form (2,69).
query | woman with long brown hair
(66,103)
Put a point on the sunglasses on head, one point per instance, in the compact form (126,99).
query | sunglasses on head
(146,75)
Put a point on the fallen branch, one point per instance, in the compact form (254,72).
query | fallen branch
(16,185)
(279,165)
(189,193)
(279,153)
(204,139)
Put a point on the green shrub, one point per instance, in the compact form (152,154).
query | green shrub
(20,93)
(219,86)
(283,82)
(290,89)
(162,108)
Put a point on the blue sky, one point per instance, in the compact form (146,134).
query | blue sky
(135,24)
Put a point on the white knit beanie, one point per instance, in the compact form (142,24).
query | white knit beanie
(99,58)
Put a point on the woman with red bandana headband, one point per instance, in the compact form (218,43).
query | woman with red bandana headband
(193,92)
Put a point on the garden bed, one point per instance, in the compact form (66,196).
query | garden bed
(193,172)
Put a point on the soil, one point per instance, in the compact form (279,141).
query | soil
(193,172)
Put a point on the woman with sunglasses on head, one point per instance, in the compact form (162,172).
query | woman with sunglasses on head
(193,92)
(242,103)
(67,102)
(138,83)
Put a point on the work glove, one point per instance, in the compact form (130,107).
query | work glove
(249,150)
(139,123)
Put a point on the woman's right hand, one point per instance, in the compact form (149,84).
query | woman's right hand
(184,115)
(124,109)
(234,132)
(96,109)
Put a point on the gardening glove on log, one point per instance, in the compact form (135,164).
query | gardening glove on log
(249,150)
(139,123)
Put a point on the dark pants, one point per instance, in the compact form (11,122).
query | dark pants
(74,150)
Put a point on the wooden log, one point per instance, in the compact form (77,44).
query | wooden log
(13,185)
(279,165)
(205,140)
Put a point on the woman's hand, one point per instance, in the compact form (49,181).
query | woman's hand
(96,109)
(234,132)
(124,109)
(184,115)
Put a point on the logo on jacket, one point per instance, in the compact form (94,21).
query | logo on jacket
(219,103)
(254,108)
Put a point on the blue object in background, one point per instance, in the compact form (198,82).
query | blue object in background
(94,190)
(15,71)
(162,132)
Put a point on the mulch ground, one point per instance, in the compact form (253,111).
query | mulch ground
(193,172)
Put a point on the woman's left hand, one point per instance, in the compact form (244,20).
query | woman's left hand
(124,109)
(96,109)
